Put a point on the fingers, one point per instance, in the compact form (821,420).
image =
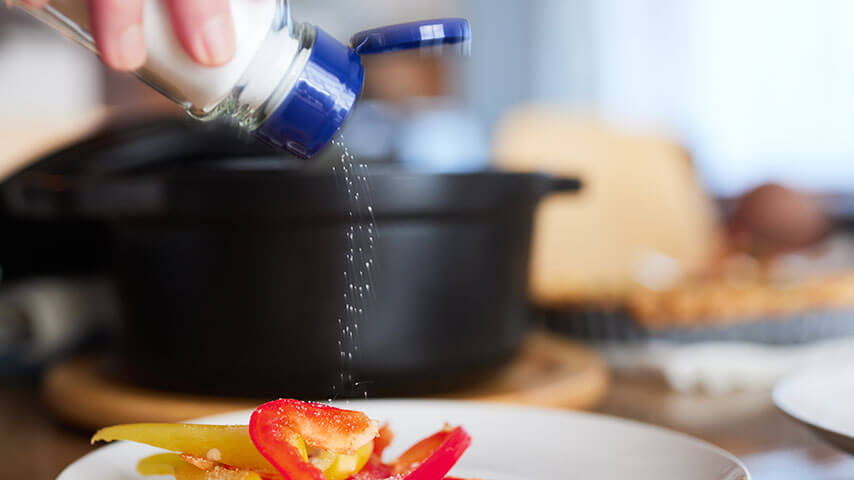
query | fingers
(118,32)
(205,29)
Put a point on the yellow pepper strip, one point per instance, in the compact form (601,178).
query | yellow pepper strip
(322,459)
(345,466)
(227,444)
(160,464)
(172,464)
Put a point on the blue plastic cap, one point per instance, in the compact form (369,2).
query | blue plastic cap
(328,87)
(319,102)
(406,36)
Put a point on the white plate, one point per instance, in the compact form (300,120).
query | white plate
(509,443)
(821,398)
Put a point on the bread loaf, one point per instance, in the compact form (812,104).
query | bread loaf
(641,197)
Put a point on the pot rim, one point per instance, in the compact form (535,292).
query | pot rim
(169,170)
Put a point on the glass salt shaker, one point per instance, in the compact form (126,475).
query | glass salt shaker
(290,84)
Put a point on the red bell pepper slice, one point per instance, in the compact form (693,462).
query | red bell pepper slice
(383,440)
(429,459)
(273,426)
(276,426)
(433,457)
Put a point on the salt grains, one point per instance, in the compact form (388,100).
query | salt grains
(358,273)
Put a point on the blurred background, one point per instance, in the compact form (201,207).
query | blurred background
(707,253)
(753,91)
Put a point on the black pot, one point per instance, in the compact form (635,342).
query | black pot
(229,264)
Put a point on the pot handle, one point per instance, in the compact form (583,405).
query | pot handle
(566,184)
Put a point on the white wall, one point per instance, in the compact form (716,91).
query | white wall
(760,89)
(343,18)
(41,74)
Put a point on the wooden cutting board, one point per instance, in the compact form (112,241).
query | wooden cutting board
(548,372)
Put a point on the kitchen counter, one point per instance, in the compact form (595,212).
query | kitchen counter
(34,447)
(773,446)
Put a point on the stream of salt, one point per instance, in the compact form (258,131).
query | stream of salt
(358,273)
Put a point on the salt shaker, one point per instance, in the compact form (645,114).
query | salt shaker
(290,84)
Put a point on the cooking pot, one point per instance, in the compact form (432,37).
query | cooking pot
(228,262)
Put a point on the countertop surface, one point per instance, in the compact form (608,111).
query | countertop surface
(34,447)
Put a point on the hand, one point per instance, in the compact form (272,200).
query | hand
(204,28)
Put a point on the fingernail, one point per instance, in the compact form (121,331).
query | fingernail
(131,54)
(218,40)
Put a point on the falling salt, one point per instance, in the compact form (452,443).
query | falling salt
(359,256)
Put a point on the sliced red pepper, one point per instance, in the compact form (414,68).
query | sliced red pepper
(433,457)
(273,426)
(429,459)
(383,440)
(278,426)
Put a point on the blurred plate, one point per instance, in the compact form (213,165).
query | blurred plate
(509,443)
(822,399)
(617,325)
